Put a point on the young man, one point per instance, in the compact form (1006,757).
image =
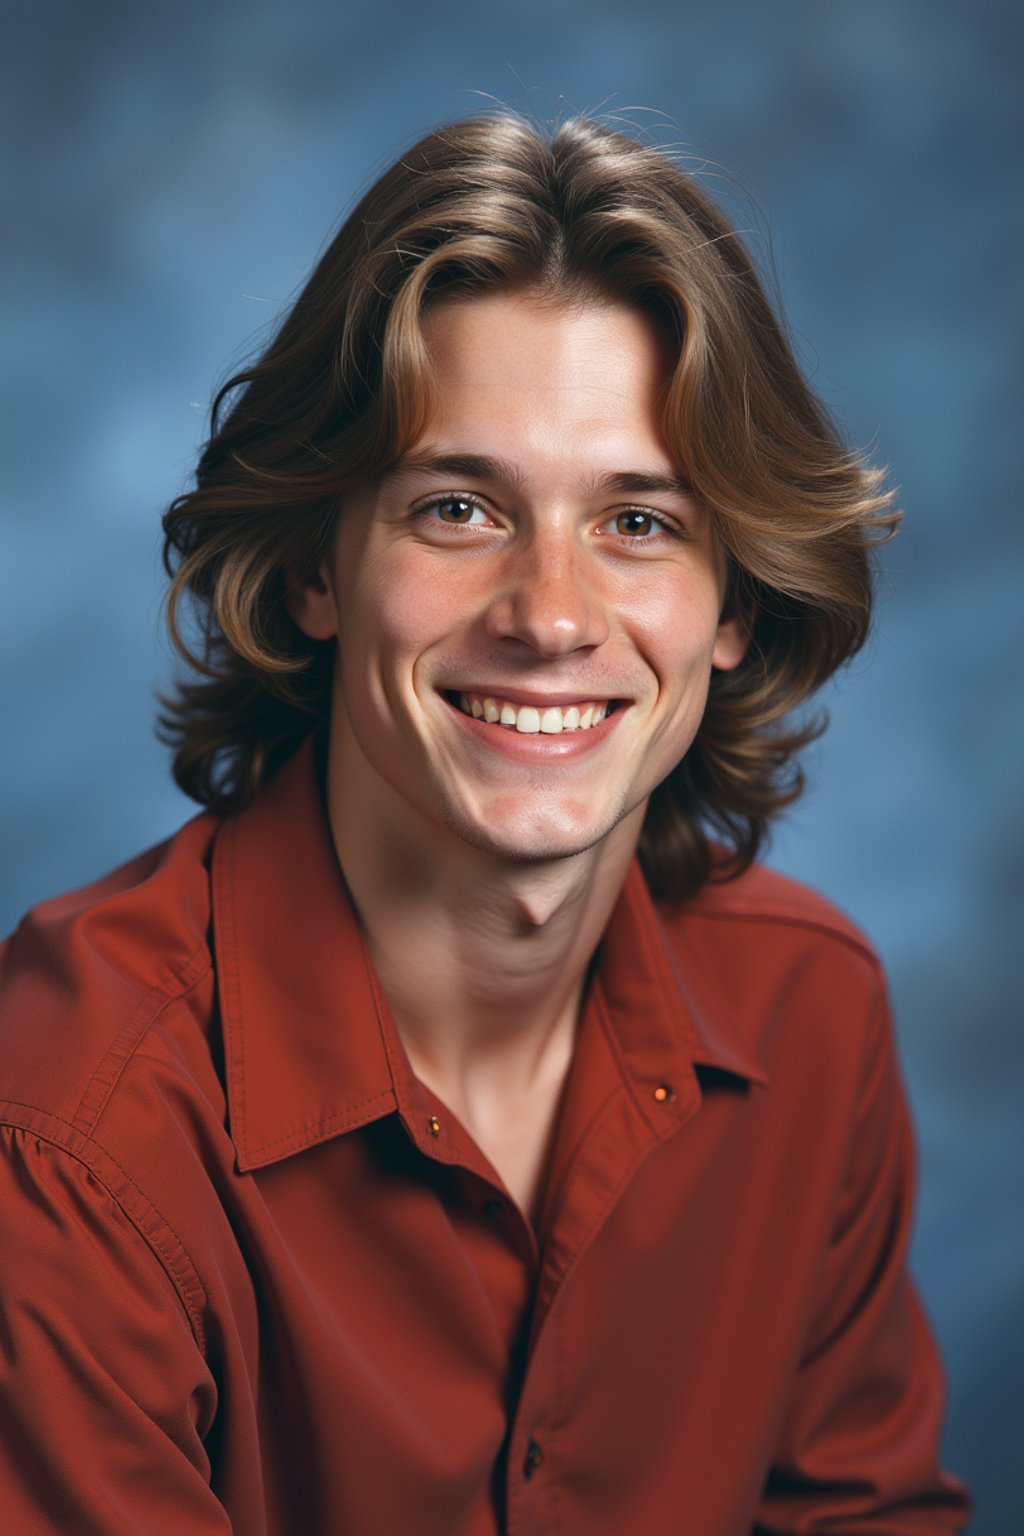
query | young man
(441,1134)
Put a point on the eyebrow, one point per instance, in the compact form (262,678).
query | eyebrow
(480,466)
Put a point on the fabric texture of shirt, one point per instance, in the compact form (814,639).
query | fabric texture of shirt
(255,1277)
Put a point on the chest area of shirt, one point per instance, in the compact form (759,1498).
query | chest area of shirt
(399,1298)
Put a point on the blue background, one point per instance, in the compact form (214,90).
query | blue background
(176,168)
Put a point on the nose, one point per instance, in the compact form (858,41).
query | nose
(547,597)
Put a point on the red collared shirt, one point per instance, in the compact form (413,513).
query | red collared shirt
(257,1278)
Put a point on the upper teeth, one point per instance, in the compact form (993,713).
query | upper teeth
(528,720)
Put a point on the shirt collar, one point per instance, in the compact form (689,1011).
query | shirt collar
(664,1004)
(310,1051)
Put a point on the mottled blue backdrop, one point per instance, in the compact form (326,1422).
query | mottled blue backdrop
(172,172)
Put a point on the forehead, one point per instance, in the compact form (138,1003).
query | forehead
(553,378)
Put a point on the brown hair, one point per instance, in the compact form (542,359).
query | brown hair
(343,389)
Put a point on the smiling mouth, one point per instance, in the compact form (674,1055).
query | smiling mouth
(529,719)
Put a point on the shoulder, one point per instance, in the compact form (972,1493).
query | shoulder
(86,974)
(765,924)
(763,898)
(787,972)
(105,1007)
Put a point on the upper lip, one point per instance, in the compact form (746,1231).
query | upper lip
(531,696)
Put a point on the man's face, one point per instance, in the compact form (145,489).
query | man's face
(527,607)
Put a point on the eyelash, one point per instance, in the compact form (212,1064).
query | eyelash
(668,526)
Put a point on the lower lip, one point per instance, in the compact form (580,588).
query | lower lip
(536,746)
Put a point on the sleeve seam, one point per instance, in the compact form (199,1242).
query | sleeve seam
(152,1227)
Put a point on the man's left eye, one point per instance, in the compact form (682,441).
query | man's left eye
(640,526)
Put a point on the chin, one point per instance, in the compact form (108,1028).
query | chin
(523,840)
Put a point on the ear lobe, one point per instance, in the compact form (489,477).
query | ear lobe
(736,618)
(731,643)
(309,599)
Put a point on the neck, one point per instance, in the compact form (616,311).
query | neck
(482,960)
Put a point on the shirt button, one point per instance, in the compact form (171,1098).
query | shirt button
(664,1093)
(533,1459)
(434,1126)
(493,1208)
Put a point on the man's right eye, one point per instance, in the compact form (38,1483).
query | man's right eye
(459,510)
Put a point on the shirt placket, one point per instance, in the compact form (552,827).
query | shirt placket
(615,1115)
(612,1122)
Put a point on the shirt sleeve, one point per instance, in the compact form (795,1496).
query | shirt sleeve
(858,1449)
(104,1393)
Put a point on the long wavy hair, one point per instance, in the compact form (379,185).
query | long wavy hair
(344,388)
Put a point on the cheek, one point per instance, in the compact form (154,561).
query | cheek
(675,624)
(396,613)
